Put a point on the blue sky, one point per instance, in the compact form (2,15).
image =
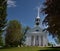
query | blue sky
(25,12)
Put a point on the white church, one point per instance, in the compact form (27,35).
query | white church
(36,36)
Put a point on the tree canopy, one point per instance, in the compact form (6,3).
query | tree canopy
(13,33)
(3,14)
(52,20)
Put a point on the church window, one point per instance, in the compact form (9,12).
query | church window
(37,30)
(37,23)
(37,19)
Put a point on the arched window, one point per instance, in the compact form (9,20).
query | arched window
(37,30)
(37,23)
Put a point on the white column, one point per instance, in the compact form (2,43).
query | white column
(39,41)
(34,41)
(45,41)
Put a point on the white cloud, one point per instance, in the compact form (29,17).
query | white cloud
(11,3)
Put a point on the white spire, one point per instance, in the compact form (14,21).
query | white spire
(38,12)
(37,19)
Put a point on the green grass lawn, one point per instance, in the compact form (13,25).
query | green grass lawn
(27,49)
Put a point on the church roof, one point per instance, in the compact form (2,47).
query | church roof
(35,30)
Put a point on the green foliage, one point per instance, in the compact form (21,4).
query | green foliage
(1,41)
(50,44)
(27,28)
(3,21)
(13,33)
(24,31)
(52,20)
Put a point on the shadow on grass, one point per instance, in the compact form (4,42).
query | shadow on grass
(7,47)
(51,49)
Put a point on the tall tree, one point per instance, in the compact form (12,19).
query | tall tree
(52,20)
(3,7)
(13,33)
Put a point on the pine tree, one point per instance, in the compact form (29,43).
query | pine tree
(3,14)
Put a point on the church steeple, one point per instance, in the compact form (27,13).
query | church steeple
(38,13)
(37,20)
